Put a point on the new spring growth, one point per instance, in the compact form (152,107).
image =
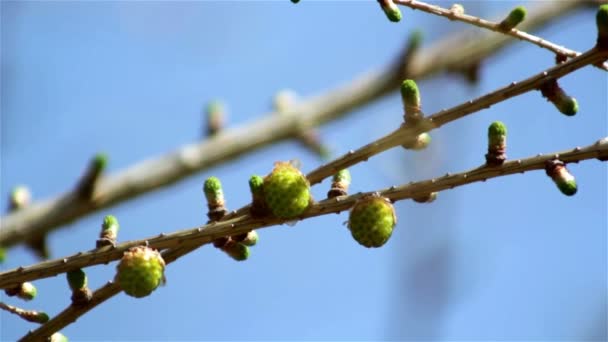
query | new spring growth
(28,315)
(428,198)
(26,291)
(601,19)
(109,232)
(236,250)
(497,144)
(340,183)
(2,255)
(88,181)
(517,15)
(216,117)
(556,169)
(77,280)
(258,205)
(248,239)
(215,199)
(391,10)
(58,337)
(20,197)
(411,101)
(553,93)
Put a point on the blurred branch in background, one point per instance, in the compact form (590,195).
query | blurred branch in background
(42,217)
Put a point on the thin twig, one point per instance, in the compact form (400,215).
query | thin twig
(242,224)
(493,26)
(43,217)
(72,313)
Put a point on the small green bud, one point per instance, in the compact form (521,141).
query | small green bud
(213,190)
(410,94)
(20,197)
(391,10)
(77,279)
(100,161)
(517,15)
(567,105)
(251,239)
(428,198)
(457,9)
(216,117)
(343,177)
(110,223)
(555,94)
(256,185)
(237,251)
(497,133)
(414,40)
(601,19)
(564,180)
(340,183)
(2,254)
(36,317)
(27,291)
(420,143)
(58,337)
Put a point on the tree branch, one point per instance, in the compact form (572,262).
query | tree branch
(43,217)
(493,26)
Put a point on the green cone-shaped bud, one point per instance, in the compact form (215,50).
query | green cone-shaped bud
(237,251)
(371,221)
(36,317)
(497,134)
(564,180)
(77,279)
(213,191)
(286,191)
(342,177)
(391,10)
(601,19)
(2,254)
(410,94)
(27,291)
(256,185)
(517,15)
(58,337)
(567,105)
(140,271)
(110,225)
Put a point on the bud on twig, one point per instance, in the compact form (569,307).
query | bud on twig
(215,199)
(565,104)
(391,10)
(497,144)
(411,101)
(216,117)
(236,250)
(249,239)
(58,337)
(20,198)
(457,9)
(88,181)
(428,198)
(340,183)
(109,232)
(28,315)
(26,291)
(517,15)
(77,280)
(258,205)
(564,180)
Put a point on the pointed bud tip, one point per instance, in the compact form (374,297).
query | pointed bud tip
(212,185)
(410,93)
(100,161)
(256,183)
(110,222)
(392,12)
(601,19)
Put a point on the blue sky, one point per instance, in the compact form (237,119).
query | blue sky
(509,259)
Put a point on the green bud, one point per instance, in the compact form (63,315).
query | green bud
(237,251)
(414,41)
(58,337)
(567,105)
(428,198)
(497,134)
(216,115)
(214,107)
(564,180)
(410,94)
(555,94)
(77,279)
(36,317)
(251,239)
(343,177)
(20,197)
(100,161)
(27,291)
(2,254)
(256,185)
(420,143)
(391,10)
(110,223)
(213,190)
(517,15)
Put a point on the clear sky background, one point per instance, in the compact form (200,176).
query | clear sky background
(509,259)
